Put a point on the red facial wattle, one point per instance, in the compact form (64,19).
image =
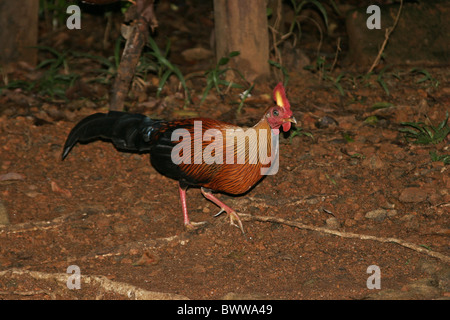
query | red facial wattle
(286,126)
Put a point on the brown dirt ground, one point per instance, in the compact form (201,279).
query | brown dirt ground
(112,215)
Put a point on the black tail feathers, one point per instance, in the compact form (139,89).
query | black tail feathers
(126,130)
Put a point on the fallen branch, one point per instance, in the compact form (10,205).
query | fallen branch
(25,293)
(142,16)
(104,283)
(387,34)
(296,224)
(338,49)
(34,225)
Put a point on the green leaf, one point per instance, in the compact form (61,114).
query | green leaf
(162,82)
(340,89)
(443,123)
(371,120)
(383,85)
(321,9)
(223,61)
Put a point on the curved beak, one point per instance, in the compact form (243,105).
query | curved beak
(287,123)
(292,119)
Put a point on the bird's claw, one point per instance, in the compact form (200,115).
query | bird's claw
(236,221)
(219,213)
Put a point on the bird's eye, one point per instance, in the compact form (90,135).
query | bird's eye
(276,113)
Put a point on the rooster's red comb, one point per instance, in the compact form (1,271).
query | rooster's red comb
(279,95)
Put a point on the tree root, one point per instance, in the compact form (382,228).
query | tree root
(296,224)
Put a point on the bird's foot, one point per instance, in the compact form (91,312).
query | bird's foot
(236,221)
(234,218)
(193,226)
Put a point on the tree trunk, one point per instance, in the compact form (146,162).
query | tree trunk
(18,31)
(127,68)
(143,16)
(241,25)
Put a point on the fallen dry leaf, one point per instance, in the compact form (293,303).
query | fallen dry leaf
(11,176)
(55,188)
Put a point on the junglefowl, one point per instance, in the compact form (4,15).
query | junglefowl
(216,159)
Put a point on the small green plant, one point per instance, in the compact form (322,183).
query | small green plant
(331,179)
(244,96)
(445,158)
(425,134)
(295,30)
(299,132)
(347,137)
(54,12)
(165,69)
(381,82)
(55,80)
(426,77)
(337,82)
(216,76)
(325,69)
(109,66)
(381,105)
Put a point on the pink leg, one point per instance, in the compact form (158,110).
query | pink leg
(183,205)
(234,218)
(187,223)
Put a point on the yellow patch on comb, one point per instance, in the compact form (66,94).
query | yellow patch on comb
(279,96)
(279,99)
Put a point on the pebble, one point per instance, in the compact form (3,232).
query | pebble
(378,214)
(434,199)
(392,213)
(332,223)
(413,195)
(32,194)
(373,162)
(11,176)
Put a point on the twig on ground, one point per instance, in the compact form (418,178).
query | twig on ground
(105,285)
(338,49)
(412,246)
(386,38)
